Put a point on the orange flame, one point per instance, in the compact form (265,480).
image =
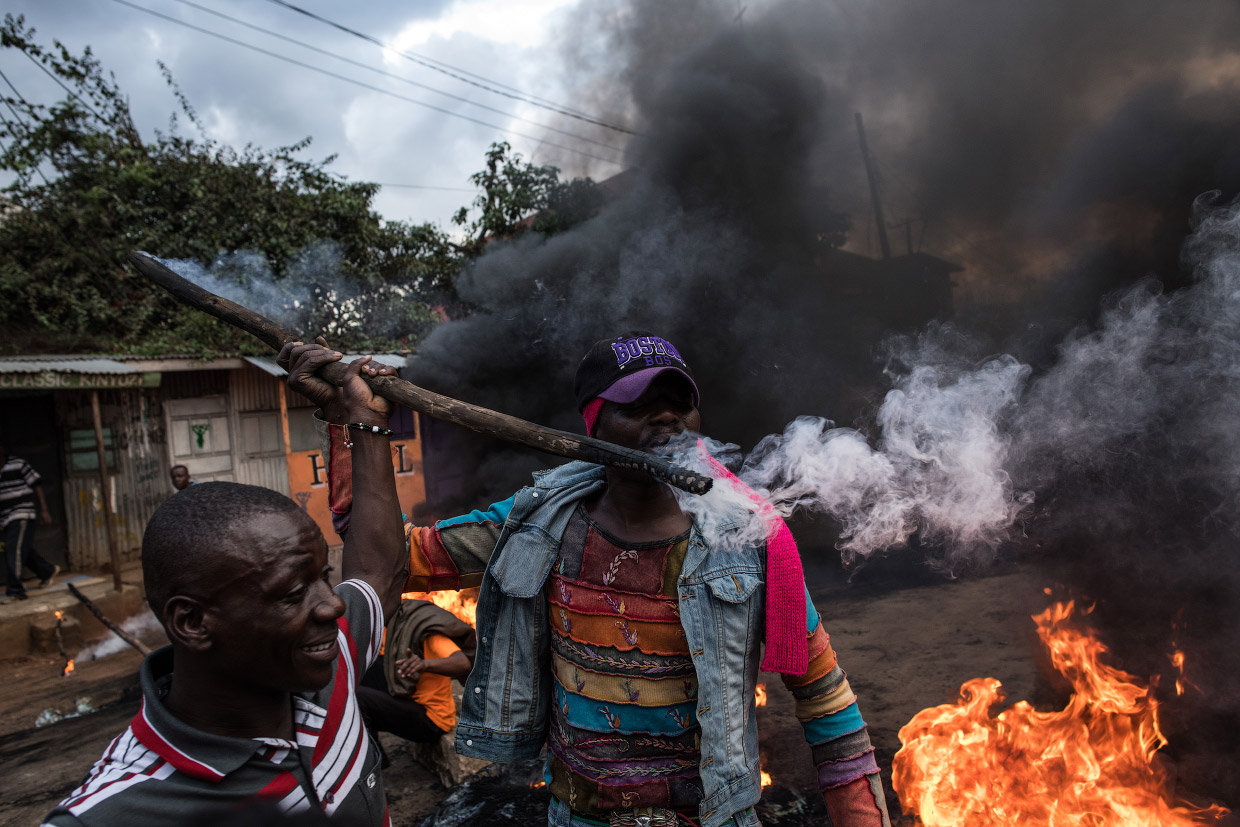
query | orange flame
(1182,684)
(68,668)
(1091,763)
(759,699)
(59,615)
(536,784)
(463,604)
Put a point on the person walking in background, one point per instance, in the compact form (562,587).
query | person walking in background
(21,503)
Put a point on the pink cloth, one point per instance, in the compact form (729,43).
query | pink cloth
(590,414)
(787,650)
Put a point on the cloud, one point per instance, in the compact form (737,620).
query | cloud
(246,97)
(520,24)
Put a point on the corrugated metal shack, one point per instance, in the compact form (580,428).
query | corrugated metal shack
(225,419)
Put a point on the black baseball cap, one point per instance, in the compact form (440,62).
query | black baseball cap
(621,368)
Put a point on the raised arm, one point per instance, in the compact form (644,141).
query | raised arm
(451,554)
(374,549)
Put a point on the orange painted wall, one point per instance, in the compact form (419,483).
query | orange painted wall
(307,482)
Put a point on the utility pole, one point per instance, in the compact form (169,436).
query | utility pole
(872,175)
(907,224)
(105,488)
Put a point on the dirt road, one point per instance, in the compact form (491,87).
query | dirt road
(904,649)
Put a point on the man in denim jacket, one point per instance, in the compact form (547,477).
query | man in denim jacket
(611,630)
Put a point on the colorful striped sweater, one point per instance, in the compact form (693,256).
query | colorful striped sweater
(453,554)
(624,729)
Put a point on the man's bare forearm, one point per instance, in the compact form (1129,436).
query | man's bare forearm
(374,548)
(374,545)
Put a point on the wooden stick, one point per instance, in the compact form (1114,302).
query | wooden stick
(482,420)
(97,612)
(114,547)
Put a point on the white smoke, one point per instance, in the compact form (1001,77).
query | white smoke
(937,468)
(143,626)
(246,277)
(313,293)
(962,443)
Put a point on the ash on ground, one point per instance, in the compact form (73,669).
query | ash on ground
(501,794)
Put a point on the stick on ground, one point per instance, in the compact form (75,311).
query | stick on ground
(97,612)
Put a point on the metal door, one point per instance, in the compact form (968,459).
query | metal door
(199,438)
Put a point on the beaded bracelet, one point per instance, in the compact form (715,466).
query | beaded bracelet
(362,426)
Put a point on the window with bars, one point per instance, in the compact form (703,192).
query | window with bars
(82,454)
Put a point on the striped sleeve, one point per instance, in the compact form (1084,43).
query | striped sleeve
(361,626)
(30,475)
(453,554)
(843,755)
(104,796)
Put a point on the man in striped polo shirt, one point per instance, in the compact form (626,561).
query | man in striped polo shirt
(20,487)
(254,700)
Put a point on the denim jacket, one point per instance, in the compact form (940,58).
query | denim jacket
(505,711)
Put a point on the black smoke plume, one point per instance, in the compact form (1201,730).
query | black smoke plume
(1055,150)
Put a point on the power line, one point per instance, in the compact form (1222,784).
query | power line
(912,194)
(355,82)
(17,117)
(78,239)
(459,74)
(24,129)
(392,75)
(72,94)
(427,187)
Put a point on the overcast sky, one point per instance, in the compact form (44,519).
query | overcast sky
(243,96)
(1007,128)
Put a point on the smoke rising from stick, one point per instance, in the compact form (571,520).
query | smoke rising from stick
(246,277)
(144,626)
(314,294)
(1130,443)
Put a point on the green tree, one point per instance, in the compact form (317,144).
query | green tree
(89,189)
(277,232)
(518,196)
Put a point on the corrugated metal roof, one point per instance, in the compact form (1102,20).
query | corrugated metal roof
(133,357)
(268,364)
(63,364)
(116,364)
(394,360)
